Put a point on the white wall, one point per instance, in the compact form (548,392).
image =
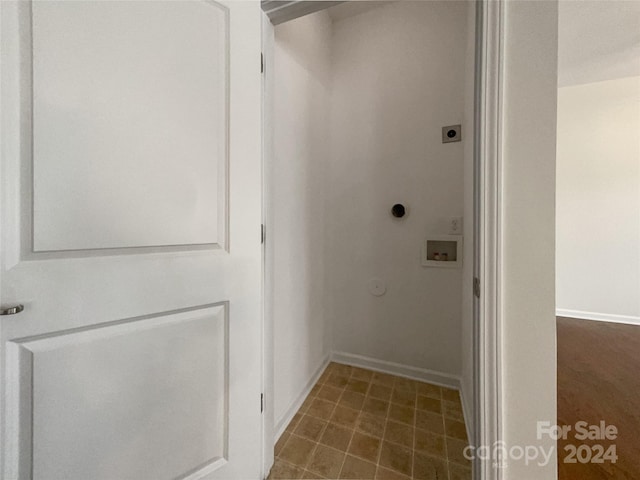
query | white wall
(528,225)
(296,199)
(598,200)
(398,77)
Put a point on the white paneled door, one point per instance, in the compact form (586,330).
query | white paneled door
(130,232)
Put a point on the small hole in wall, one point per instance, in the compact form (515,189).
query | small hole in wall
(398,210)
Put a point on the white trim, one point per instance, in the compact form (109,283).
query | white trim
(282,422)
(488,387)
(398,369)
(600,317)
(466,410)
(268,374)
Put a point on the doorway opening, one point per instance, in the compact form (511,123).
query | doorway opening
(598,237)
(369,193)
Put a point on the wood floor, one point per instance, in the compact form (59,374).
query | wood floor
(359,424)
(599,380)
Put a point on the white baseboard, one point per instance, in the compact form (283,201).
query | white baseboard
(466,412)
(600,317)
(414,373)
(281,424)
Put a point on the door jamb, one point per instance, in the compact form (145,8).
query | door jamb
(487,331)
(487,318)
(268,388)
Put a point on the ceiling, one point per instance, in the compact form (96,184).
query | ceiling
(598,40)
(280,11)
(352,8)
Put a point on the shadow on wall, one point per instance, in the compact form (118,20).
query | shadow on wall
(301,118)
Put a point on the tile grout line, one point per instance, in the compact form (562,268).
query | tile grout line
(291,434)
(284,445)
(317,442)
(387,419)
(327,423)
(315,396)
(384,429)
(353,432)
(366,395)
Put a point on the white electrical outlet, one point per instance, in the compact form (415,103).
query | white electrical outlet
(455,225)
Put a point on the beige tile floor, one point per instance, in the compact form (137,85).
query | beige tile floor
(359,424)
